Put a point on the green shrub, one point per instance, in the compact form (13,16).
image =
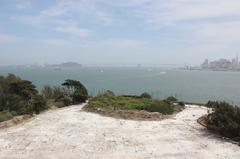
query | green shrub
(24,107)
(59,104)
(213,104)
(17,95)
(77,91)
(172,99)
(14,113)
(54,92)
(39,104)
(225,119)
(21,96)
(146,95)
(181,103)
(47,92)
(79,96)
(163,108)
(130,103)
(108,93)
(5,115)
(66,100)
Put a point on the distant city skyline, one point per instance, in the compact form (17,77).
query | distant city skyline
(126,32)
(221,64)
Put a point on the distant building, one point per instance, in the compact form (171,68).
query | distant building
(221,65)
(205,64)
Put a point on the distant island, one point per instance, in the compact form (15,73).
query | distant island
(218,65)
(67,64)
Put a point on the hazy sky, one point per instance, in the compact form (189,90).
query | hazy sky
(118,31)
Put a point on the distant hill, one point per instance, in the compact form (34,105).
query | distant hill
(67,64)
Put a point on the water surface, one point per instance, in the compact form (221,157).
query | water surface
(193,86)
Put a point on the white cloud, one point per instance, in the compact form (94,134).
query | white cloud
(175,11)
(216,21)
(74,10)
(74,30)
(155,12)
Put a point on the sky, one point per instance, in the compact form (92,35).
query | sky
(110,32)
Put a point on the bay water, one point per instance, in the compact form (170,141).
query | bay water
(191,86)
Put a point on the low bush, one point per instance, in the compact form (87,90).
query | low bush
(5,115)
(108,93)
(171,99)
(159,106)
(146,95)
(224,120)
(130,103)
(71,92)
(39,104)
(66,100)
(54,92)
(181,103)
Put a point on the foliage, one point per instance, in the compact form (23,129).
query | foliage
(71,92)
(5,115)
(23,88)
(213,104)
(67,100)
(108,93)
(181,103)
(146,95)
(47,92)
(78,91)
(130,103)
(225,119)
(39,104)
(54,92)
(56,96)
(19,96)
(171,99)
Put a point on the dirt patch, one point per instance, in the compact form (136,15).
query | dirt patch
(202,121)
(138,115)
(15,120)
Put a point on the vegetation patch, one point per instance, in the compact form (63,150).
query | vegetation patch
(71,92)
(224,120)
(5,115)
(20,97)
(141,107)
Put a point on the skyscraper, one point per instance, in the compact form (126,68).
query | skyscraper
(237,60)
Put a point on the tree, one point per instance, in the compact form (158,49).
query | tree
(19,96)
(172,99)
(146,95)
(39,104)
(47,92)
(77,90)
(23,88)
(108,93)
